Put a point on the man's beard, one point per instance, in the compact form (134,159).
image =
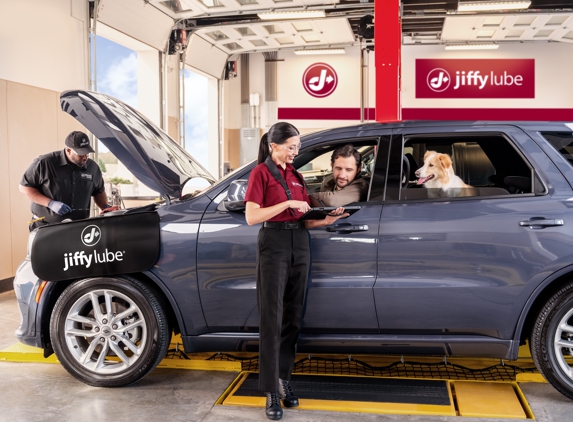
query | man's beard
(78,161)
(343,186)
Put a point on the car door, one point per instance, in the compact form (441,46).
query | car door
(467,265)
(226,259)
(339,297)
(343,271)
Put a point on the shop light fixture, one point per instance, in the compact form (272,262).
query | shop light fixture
(472,46)
(292,14)
(309,51)
(482,6)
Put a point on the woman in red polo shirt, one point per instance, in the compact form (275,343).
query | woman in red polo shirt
(283,259)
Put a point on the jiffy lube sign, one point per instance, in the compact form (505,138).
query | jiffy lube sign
(475,78)
(320,80)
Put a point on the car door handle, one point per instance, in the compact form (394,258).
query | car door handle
(348,229)
(540,222)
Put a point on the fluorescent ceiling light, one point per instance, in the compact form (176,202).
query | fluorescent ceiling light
(472,47)
(480,6)
(292,14)
(309,51)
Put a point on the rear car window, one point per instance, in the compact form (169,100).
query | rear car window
(487,162)
(562,142)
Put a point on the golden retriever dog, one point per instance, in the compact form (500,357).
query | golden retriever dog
(437,173)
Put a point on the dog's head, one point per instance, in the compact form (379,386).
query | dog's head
(436,167)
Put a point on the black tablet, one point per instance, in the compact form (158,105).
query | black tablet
(320,213)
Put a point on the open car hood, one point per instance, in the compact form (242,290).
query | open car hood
(147,151)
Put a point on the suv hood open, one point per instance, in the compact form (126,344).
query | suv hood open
(147,151)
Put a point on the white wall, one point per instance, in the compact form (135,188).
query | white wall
(291,92)
(42,43)
(43,51)
(553,89)
(553,64)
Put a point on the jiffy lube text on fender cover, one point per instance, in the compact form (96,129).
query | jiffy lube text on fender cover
(96,247)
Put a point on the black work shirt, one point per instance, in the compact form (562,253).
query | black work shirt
(61,180)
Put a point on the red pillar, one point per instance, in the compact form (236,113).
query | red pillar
(388,59)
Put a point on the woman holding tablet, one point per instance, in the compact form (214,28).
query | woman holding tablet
(276,196)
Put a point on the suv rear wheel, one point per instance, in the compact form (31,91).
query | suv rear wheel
(552,340)
(109,332)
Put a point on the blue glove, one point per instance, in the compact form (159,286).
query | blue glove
(59,207)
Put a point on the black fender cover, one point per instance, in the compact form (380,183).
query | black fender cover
(100,246)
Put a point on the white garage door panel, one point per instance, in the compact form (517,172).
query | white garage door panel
(205,57)
(335,31)
(143,22)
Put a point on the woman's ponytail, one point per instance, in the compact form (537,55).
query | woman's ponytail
(264,149)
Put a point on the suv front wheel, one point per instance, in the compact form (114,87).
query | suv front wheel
(109,332)
(552,340)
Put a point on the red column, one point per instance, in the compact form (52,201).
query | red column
(388,59)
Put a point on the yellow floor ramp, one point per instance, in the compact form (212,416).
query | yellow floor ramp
(21,353)
(422,394)
(198,361)
(391,396)
(491,400)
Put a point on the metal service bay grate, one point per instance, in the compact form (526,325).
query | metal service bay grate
(359,389)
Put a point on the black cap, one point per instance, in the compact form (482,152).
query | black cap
(79,142)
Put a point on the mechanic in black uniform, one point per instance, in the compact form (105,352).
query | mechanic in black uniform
(60,184)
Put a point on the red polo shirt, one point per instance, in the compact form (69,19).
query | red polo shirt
(266,191)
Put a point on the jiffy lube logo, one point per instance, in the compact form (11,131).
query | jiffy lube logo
(90,237)
(438,80)
(475,78)
(320,80)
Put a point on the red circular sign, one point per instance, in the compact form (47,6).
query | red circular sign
(319,80)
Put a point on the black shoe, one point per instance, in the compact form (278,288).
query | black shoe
(289,399)
(274,410)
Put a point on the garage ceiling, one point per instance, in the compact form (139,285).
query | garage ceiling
(234,27)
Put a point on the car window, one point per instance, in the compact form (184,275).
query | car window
(430,167)
(562,142)
(314,163)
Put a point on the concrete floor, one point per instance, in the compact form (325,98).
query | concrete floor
(45,392)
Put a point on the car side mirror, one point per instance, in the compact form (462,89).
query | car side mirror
(235,200)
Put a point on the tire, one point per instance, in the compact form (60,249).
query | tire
(133,340)
(552,340)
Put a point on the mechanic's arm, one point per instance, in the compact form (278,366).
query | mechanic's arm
(34,195)
(101,201)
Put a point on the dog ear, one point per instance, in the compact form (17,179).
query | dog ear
(428,153)
(445,160)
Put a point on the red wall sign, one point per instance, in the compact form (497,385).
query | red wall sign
(319,80)
(475,78)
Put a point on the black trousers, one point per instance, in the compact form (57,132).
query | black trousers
(283,262)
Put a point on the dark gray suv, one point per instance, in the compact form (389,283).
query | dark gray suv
(415,271)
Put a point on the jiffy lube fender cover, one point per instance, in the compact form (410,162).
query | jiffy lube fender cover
(99,246)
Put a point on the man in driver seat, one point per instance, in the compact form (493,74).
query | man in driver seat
(346,184)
